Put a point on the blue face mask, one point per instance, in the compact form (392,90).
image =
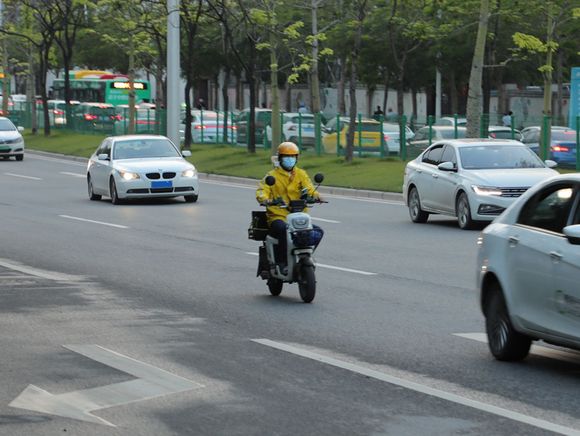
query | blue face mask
(288,162)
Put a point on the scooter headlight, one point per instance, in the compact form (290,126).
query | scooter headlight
(299,223)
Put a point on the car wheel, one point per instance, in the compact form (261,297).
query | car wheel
(505,343)
(19,157)
(190,198)
(113,192)
(92,195)
(464,212)
(417,214)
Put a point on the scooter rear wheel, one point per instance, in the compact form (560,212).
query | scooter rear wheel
(307,283)
(275,286)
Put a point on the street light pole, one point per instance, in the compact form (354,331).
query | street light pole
(173,67)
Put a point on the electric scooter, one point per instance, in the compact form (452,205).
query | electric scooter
(301,241)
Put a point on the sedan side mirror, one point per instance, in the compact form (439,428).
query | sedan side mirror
(551,164)
(20,129)
(186,153)
(573,234)
(103,156)
(447,166)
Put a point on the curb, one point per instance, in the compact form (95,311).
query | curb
(332,190)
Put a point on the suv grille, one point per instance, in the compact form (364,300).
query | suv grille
(153,176)
(512,192)
(168,175)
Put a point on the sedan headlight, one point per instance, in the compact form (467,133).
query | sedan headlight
(126,175)
(189,173)
(486,190)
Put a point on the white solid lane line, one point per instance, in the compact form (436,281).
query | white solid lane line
(421,388)
(118,226)
(22,176)
(56,159)
(66,173)
(538,350)
(338,268)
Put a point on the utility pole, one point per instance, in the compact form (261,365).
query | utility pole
(5,78)
(173,67)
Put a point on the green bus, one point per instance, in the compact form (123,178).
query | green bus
(113,91)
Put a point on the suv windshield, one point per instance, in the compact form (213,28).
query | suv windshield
(498,157)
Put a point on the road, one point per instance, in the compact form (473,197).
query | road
(156,295)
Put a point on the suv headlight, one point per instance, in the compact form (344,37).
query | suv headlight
(126,175)
(189,173)
(486,190)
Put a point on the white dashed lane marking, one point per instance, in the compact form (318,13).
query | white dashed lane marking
(118,226)
(338,268)
(22,176)
(66,173)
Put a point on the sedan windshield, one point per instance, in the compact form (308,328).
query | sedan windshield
(498,157)
(144,148)
(6,126)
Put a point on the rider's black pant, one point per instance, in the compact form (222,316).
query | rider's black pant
(278,231)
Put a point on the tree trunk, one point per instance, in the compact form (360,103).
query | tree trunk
(31,92)
(474,93)
(370,94)
(341,104)
(276,128)
(44,54)
(453,92)
(545,138)
(314,79)
(560,91)
(351,113)
(386,95)
(188,117)
(131,74)
(226,108)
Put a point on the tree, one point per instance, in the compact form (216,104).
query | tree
(555,13)
(474,95)
(40,34)
(128,18)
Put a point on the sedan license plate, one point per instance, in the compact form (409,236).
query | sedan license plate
(162,184)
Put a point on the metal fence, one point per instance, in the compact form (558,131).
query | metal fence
(391,136)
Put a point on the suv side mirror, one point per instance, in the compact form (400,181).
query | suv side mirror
(20,129)
(103,156)
(550,163)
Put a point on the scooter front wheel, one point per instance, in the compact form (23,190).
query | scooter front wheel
(307,283)
(275,286)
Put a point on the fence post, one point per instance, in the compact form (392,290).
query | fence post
(382,146)
(300,131)
(338,131)
(430,123)
(359,134)
(403,137)
(455,134)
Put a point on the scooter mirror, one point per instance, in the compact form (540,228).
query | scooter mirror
(318,177)
(270,181)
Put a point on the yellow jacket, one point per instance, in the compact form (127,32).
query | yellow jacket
(288,186)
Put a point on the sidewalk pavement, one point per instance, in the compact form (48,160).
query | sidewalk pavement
(332,190)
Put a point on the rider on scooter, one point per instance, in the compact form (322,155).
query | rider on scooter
(290,183)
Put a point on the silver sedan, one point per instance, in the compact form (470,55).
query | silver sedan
(529,270)
(472,179)
(140,166)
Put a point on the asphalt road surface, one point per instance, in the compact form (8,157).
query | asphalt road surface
(148,319)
